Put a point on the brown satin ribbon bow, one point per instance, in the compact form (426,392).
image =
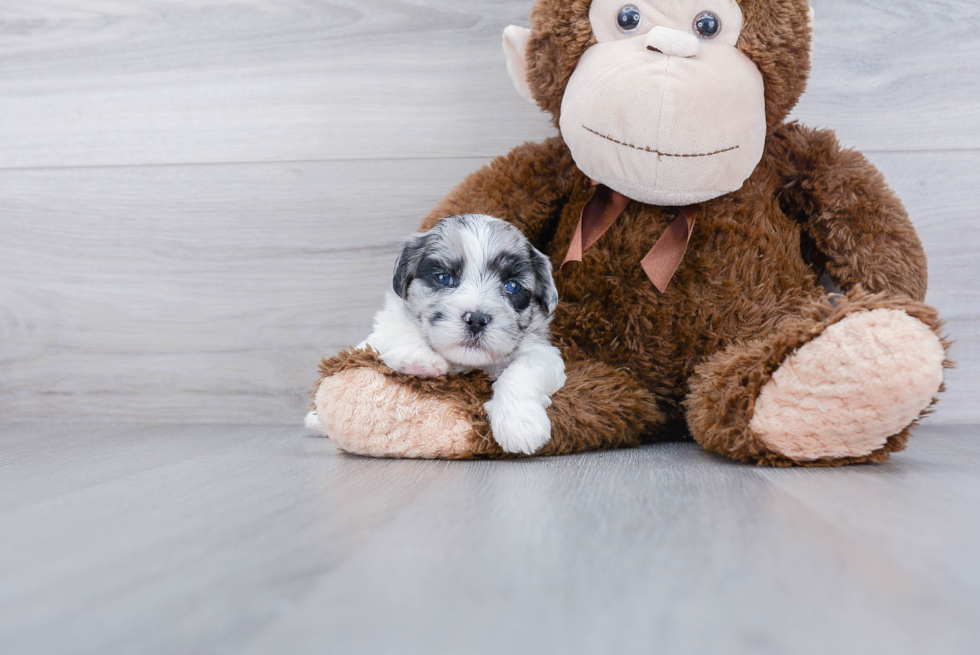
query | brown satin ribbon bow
(602,210)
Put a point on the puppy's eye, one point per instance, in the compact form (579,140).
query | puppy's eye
(629,19)
(443,279)
(513,287)
(707,25)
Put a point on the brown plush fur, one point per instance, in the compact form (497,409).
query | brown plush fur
(746,294)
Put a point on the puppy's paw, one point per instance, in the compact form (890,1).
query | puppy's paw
(418,363)
(519,425)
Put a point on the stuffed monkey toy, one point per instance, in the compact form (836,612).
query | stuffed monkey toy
(689,226)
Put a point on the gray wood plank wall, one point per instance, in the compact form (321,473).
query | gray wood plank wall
(199,198)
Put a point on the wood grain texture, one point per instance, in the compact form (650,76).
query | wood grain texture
(258,540)
(97,82)
(901,75)
(94,82)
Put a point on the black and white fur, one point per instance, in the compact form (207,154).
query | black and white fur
(473,293)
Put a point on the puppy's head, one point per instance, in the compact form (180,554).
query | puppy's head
(476,287)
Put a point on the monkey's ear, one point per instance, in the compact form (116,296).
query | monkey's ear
(515,43)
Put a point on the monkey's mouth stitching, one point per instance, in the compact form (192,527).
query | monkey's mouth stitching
(657,152)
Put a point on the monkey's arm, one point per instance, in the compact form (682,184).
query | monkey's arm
(856,225)
(526,187)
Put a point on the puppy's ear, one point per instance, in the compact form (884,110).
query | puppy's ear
(407,263)
(545,291)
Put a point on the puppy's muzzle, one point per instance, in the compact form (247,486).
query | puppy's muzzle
(476,322)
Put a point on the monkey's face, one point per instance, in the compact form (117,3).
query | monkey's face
(664,108)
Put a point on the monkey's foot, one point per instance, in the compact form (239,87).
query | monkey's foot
(843,394)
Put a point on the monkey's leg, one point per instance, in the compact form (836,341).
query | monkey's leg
(368,409)
(834,385)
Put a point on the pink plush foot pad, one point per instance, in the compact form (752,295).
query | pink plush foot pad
(367,413)
(843,394)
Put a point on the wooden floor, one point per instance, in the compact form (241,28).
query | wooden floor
(261,540)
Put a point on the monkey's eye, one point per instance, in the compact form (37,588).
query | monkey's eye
(707,25)
(443,279)
(629,19)
(513,287)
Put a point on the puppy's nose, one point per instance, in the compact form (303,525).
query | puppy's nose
(476,321)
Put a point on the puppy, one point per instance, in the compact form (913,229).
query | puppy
(473,293)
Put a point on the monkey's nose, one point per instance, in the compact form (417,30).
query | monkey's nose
(476,321)
(672,43)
